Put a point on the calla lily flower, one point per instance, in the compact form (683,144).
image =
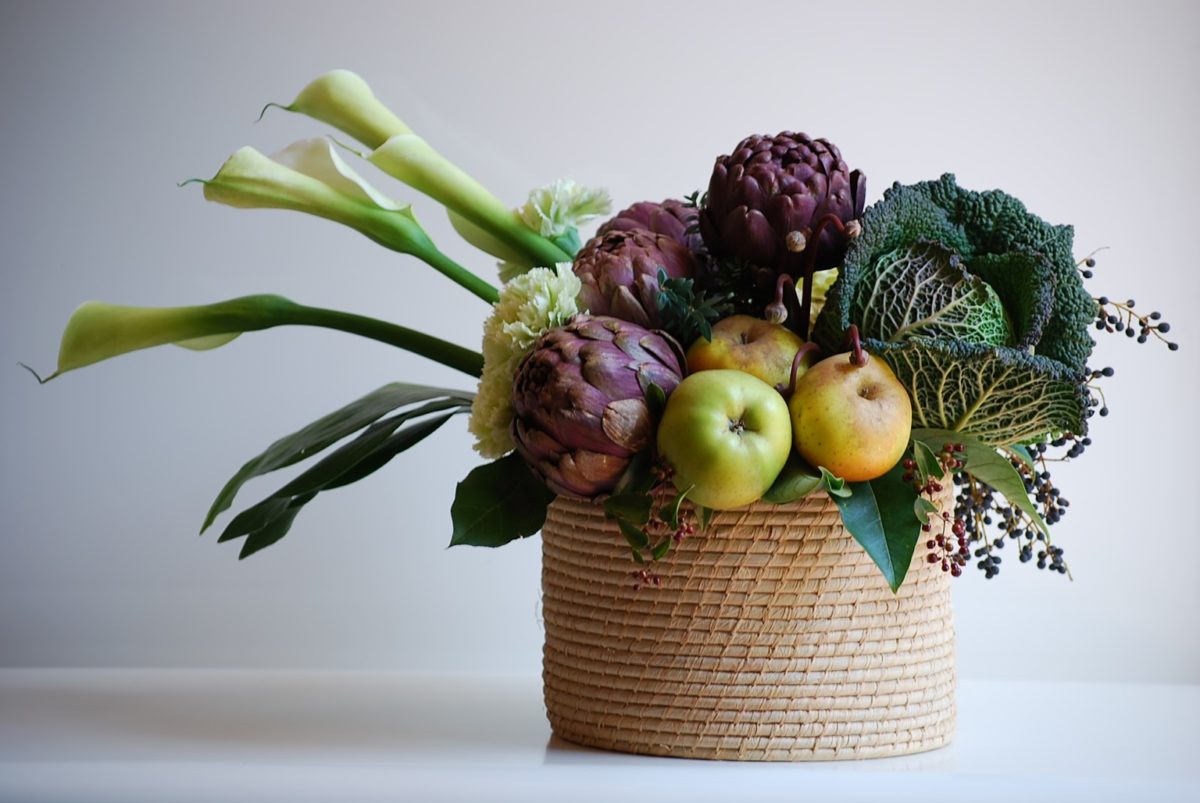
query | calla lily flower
(345,101)
(310,176)
(98,331)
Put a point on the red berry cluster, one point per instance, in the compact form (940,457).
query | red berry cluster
(950,550)
(645,577)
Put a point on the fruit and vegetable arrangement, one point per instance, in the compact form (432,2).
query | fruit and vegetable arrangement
(769,337)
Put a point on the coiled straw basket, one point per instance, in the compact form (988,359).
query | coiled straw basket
(773,637)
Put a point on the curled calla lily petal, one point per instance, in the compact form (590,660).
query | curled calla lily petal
(319,159)
(345,101)
(310,176)
(98,331)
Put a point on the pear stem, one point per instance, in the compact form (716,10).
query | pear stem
(805,350)
(858,357)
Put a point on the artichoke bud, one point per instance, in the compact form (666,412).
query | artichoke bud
(619,273)
(580,401)
(771,188)
(671,217)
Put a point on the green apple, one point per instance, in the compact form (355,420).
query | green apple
(746,343)
(854,420)
(727,435)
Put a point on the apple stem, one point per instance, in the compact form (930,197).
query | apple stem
(810,265)
(805,350)
(859,357)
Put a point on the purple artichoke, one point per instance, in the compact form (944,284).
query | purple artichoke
(580,401)
(671,217)
(619,272)
(770,187)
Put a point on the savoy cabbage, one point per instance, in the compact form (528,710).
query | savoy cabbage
(976,304)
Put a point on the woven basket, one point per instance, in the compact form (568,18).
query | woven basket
(773,637)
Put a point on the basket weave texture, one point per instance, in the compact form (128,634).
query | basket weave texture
(773,637)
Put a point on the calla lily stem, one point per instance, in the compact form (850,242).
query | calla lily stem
(457,273)
(433,348)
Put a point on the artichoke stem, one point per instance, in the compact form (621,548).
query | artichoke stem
(785,308)
(810,264)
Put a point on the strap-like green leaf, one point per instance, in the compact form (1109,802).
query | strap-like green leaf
(326,431)
(497,503)
(269,520)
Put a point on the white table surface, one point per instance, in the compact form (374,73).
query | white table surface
(215,735)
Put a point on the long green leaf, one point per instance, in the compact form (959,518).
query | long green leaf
(324,432)
(990,467)
(497,503)
(879,514)
(268,521)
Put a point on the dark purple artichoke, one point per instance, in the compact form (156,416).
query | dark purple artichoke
(580,401)
(671,217)
(619,272)
(770,187)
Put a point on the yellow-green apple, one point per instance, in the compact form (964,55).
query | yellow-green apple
(727,435)
(746,343)
(854,420)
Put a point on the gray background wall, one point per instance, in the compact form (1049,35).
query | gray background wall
(1086,111)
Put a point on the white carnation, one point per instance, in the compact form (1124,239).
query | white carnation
(529,306)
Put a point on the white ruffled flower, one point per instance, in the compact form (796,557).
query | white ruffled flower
(556,208)
(529,306)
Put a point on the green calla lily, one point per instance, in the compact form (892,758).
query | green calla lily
(310,176)
(344,100)
(98,331)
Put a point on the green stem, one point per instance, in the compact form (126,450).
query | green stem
(428,346)
(543,252)
(457,273)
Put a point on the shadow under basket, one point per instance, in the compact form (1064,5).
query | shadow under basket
(773,637)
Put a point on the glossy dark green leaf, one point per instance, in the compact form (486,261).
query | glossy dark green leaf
(497,503)
(703,517)
(922,507)
(661,549)
(797,480)
(879,514)
(324,432)
(670,509)
(927,462)
(835,486)
(639,477)
(631,507)
(1022,452)
(635,535)
(656,400)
